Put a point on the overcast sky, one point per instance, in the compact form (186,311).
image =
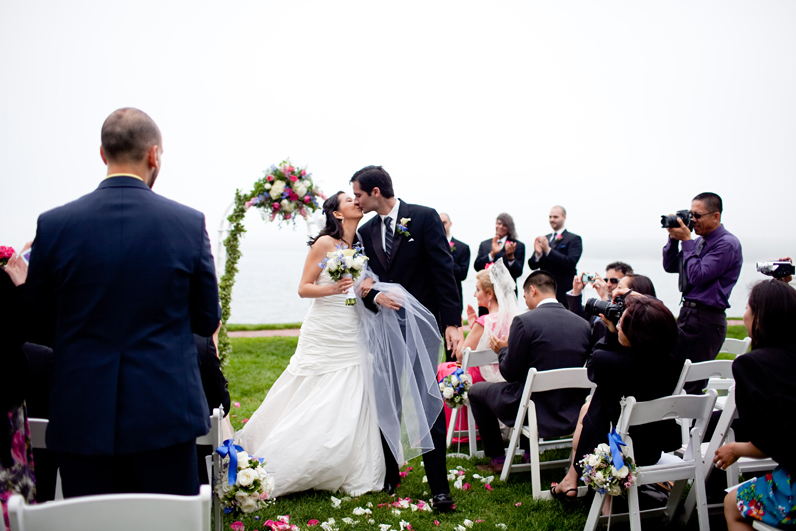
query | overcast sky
(620,110)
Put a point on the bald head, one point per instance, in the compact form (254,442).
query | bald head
(127,135)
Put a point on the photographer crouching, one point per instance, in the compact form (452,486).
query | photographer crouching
(708,268)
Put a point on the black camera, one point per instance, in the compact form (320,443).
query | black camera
(611,310)
(777,268)
(670,222)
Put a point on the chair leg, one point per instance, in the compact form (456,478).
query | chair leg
(451,428)
(513,441)
(701,498)
(471,433)
(595,512)
(634,512)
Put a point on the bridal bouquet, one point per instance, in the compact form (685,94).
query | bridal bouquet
(345,263)
(608,470)
(285,192)
(243,484)
(454,388)
(5,254)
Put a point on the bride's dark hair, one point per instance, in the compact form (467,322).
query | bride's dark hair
(334,226)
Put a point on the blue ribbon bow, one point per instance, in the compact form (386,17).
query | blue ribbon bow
(615,441)
(232,450)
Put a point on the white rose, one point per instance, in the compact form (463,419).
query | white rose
(594,459)
(243,460)
(287,206)
(464,395)
(442,386)
(246,477)
(454,380)
(276,189)
(621,473)
(250,504)
(359,262)
(300,190)
(268,484)
(267,186)
(332,264)
(241,496)
(604,448)
(348,262)
(615,490)
(599,479)
(448,392)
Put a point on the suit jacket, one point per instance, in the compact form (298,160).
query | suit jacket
(561,262)
(421,262)
(549,337)
(515,269)
(461,264)
(120,278)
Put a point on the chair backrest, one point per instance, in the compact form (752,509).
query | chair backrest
(477,358)
(38,431)
(703,370)
(669,407)
(569,378)
(213,437)
(736,346)
(120,512)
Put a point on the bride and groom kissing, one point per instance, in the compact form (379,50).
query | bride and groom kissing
(359,396)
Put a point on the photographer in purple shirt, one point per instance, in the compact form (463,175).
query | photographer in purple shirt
(708,267)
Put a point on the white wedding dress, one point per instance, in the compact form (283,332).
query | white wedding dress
(317,427)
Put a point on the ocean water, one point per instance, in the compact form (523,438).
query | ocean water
(266,288)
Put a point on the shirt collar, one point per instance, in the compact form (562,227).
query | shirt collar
(393,213)
(548,300)
(125,175)
(717,232)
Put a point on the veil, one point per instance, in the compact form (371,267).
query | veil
(504,286)
(400,354)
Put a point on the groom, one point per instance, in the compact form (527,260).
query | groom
(406,245)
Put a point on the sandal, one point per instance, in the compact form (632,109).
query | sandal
(563,496)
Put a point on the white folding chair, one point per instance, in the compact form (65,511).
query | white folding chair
(736,346)
(721,435)
(757,524)
(537,382)
(120,512)
(213,461)
(714,371)
(470,358)
(38,439)
(635,413)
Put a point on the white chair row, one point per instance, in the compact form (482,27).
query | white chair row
(123,511)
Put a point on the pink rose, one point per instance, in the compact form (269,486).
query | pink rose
(303,173)
(307,199)
(275,206)
(294,178)
(248,204)
(290,169)
(287,216)
(269,178)
(313,522)
(302,212)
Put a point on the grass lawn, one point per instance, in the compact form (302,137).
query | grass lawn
(255,366)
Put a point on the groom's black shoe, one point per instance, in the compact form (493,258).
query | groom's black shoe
(442,503)
(389,488)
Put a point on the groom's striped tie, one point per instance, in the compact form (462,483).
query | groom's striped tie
(388,236)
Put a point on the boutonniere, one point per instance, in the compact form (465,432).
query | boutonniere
(403,226)
(559,237)
(452,246)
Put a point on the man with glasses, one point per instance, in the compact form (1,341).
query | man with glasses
(708,268)
(605,287)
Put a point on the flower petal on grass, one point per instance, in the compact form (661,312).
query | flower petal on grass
(237,526)
(236,404)
(313,522)
(517,504)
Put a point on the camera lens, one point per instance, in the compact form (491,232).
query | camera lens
(597,306)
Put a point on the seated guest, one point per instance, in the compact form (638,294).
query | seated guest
(16,457)
(605,286)
(636,358)
(548,337)
(494,289)
(504,244)
(765,395)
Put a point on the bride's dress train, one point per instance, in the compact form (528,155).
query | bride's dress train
(317,427)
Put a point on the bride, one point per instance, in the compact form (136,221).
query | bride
(321,425)
(317,428)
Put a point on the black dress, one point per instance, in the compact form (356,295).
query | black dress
(619,371)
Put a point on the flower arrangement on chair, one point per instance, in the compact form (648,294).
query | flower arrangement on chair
(454,388)
(608,470)
(285,192)
(243,484)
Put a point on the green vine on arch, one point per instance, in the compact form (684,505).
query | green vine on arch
(284,193)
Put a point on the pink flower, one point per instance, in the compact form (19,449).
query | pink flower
(264,496)
(303,173)
(307,199)
(461,472)
(236,404)
(294,178)
(245,421)
(313,522)
(269,178)
(237,526)
(287,216)
(488,486)
(233,415)
(436,522)
(466,486)
(302,212)
(478,521)
(293,196)
(403,474)
(517,504)
(323,196)
(290,169)
(248,204)
(275,206)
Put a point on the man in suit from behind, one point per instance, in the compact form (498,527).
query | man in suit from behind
(558,253)
(419,259)
(460,252)
(545,338)
(120,278)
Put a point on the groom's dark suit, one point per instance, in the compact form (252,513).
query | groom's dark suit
(422,264)
(561,262)
(119,278)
